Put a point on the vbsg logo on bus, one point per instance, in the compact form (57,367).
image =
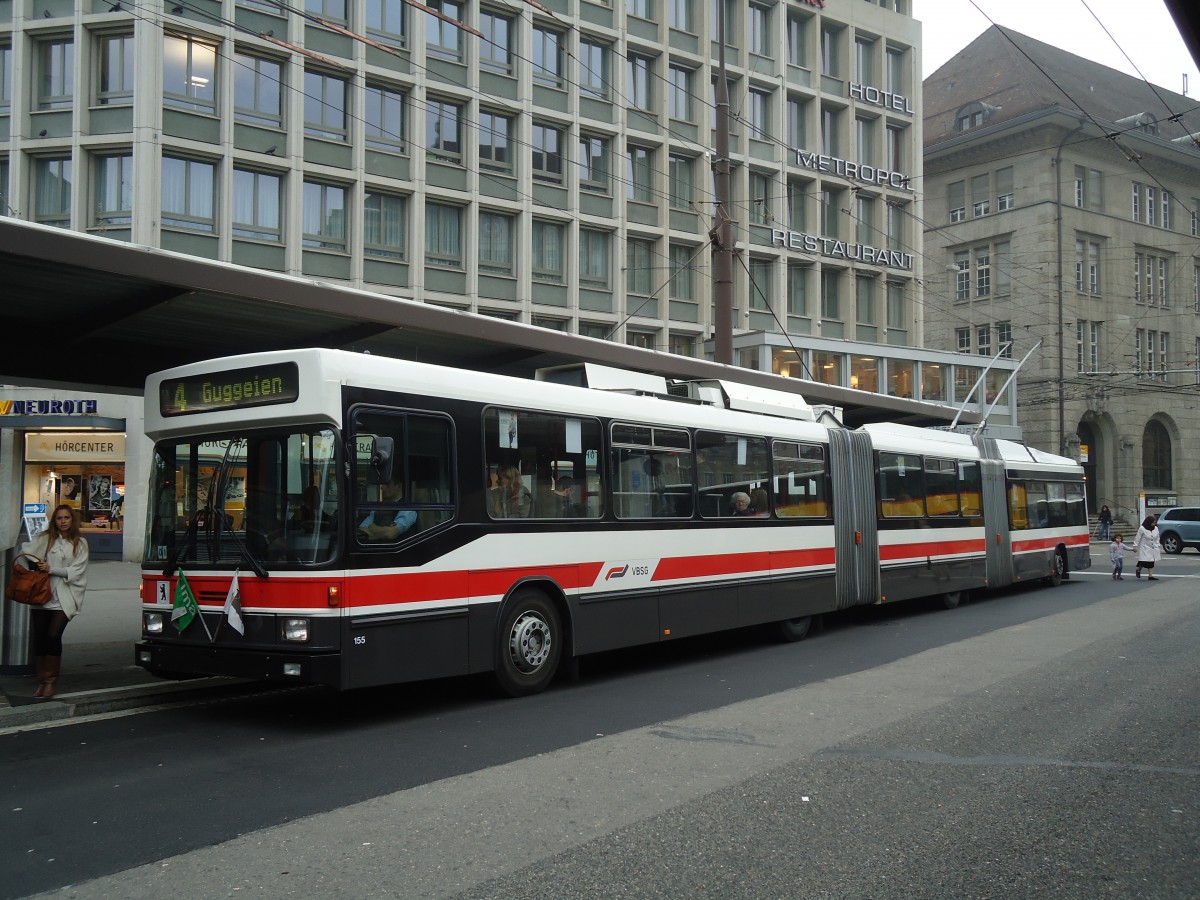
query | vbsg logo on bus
(627,573)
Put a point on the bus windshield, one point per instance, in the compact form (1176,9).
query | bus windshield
(258,500)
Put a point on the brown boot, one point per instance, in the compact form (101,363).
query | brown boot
(39,663)
(53,665)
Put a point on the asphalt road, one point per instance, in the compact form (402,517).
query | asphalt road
(1039,742)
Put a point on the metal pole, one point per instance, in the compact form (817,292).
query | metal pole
(722,230)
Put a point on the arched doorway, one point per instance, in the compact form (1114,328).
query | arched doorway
(1091,468)
(1156,457)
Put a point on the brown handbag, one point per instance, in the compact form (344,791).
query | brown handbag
(28,585)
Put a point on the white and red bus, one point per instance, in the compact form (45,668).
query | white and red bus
(389,521)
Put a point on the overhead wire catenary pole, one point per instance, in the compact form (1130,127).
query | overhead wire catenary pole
(722,230)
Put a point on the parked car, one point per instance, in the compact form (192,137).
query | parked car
(1179,527)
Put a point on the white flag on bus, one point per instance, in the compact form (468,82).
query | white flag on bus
(233,606)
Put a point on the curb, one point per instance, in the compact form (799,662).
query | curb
(116,699)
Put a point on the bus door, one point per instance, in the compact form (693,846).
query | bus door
(995,524)
(855,526)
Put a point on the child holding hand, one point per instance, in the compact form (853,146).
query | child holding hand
(1117,554)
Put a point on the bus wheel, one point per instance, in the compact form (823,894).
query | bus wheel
(529,644)
(791,630)
(1058,568)
(951,599)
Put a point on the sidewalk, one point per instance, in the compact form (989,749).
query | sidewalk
(98,672)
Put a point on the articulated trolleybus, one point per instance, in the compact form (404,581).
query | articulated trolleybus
(350,520)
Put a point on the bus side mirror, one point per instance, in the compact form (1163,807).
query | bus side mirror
(379,469)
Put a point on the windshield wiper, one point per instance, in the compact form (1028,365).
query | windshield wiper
(222,481)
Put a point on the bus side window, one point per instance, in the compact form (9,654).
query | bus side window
(800,480)
(901,486)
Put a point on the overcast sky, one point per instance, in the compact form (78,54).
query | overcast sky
(1143,30)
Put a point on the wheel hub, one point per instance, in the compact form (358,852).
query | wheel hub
(529,642)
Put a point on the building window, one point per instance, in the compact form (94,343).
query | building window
(113,190)
(327,9)
(189,74)
(897,212)
(443,130)
(52,191)
(983,340)
(188,189)
(682,344)
(383,128)
(639,266)
(679,93)
(1137,202)
(682,187)
(1087,266)
(643,9)
(1004,339)
(1156,456)
(115,84)
(760,283)
(56,74)
(897,307)
(443,236)
(6,85)
(547,152)
(495,50)
(386,21)
(325,106)
(962,275)
(894,148)
(797,195)
(758,109)
(441,37)
(830,137)
(547,256)
(864,220)
(796,128)
(864,139)
(496,243)
(645,340)
(679,15)
(385,225)
(896,80)
(831,213)
(256,204)
(797,42)
(983,272)
(760,198)
(594,77)
(956,195)
(641,174)
(831,61)
(639,87)
(594,269)
(681,273)
(981,201)
(595,330)
(324,216)
(5,209)
(797,290)
(495,141)
(831,301)
(548,57)
(1089,186)
(864,300)
(1166,221)
(962,337)
(864,61)
(257,90)
(1004,189)
(593,163)
(758,30)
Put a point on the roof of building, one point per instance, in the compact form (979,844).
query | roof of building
(1012,75)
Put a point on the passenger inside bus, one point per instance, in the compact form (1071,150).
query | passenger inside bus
(740,504)
(389,523)
(759,502)
(510,499)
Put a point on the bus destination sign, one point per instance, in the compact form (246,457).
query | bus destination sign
(235,389)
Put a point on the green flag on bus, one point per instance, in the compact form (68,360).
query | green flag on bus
(186,608)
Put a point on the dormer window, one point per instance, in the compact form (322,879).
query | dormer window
(1143,122)
(973,115)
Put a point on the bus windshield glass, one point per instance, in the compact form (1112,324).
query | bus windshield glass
(257,501)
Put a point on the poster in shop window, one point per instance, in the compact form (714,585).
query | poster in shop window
(100,492)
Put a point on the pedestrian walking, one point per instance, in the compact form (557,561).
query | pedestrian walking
(1105,528)
(1148,550)
(1117,553)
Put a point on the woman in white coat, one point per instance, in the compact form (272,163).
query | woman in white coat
(63,553)
(1148,549)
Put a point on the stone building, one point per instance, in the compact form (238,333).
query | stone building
(1060,201)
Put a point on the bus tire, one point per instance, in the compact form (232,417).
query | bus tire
(951,599)
(1058,568)
(791,630)
(529,644)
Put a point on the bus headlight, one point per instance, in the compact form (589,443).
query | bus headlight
(152,623)
(295,630)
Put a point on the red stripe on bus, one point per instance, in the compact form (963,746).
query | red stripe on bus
(924,549)
(1049,543)
(761,562)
